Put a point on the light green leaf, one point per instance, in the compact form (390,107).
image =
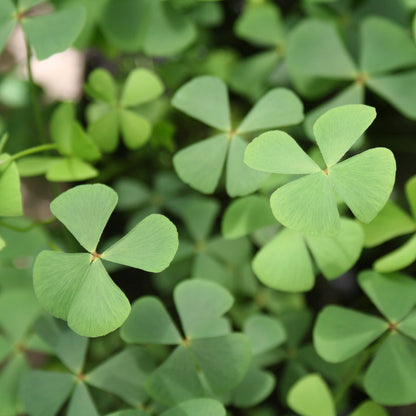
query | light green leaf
(339,128)
(384,291)
(369,409)
(7,23)
(82,144)
(279,107)
(200,165)
(365,181)
(310,396)
(397,89)
(410,189)
(398,259)
(61,129)
(224,360)
(168,32)
(101,86)
(264,333)
(70,170)
(136,129)
(284,263)
(336,255)
(316,50)
(206,99)
(341,333)
(35,165)
(68,346)
(81,403)
(397,46)
(176,380)
(150,245)
(199,303)
(150,323)
(140,87)
(104,131)
(54,32)
(241,179)
(354,94)
(124,375)
(390,378)
(390,222)
(85,210)
(44,392)
(199,407)
(277,152)
(408,325)
(99,306)
(245,215)
(307,205)
(255,387)
(11,197)
(128,412)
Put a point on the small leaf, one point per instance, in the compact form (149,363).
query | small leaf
(82,144)
(7,22)
(411,194)
(200,165)
(54,32)
(150,245)
(69,170)
(307,205)
(339,128)
(140,87)
(196,407)
(104,131)
(35,165)
(101,86)
(279,107)
(365,181)
(246,215)
(150,323)
(85,210)
(284,263)
(277,152)
(136,129)
(310,396)
(224,360)
(341,333)
(81,403)
(408,325)
(369,409)
(11,197)
(206,99)
(240,179)
(44,392)
(199,303)
(385,290)
(398,259)
(390,378)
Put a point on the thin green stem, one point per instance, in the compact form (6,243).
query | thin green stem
(28,227)
(40,125)
(31,151)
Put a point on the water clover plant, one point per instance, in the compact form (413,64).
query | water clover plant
(341,333)
(115,114)
(208,358)
(47,34)
(77,287)
(200,165)
(308,205)
(393,222)
(44,392)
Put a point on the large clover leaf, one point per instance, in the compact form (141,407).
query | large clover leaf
(47,34)
(77,287)
(364,182)
(341,333)
(392,222)
(201,164)
(115,112)
(207,345)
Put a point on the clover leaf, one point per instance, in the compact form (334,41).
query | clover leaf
(392,222)
(310,396)
(207,345)
(200,165)
(44,392)
(316,52)
(341,333)
(364,182)
(115,113)
(47,34)
(77,287)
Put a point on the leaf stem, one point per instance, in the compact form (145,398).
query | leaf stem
(40,125)
(31,150)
